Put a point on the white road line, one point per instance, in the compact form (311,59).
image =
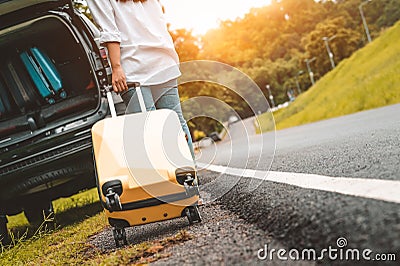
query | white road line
(386,190)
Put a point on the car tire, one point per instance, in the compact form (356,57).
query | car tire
(33,184)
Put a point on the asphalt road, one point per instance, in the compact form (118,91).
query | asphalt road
(242,221)
(363,145)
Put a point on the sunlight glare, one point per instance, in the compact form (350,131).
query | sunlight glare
(200,16)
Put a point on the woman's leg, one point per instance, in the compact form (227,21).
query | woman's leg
(169,99)
(131,99)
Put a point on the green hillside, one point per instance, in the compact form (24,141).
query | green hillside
(370,78)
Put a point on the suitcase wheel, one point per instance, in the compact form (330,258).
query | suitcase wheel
(113,202)
(191,186)
(120,237)
(51,101)
(193,214)
(63,95)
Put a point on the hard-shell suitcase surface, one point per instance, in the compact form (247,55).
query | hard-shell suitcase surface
(37,77)
(5,106)
(2,108)
(49,71)
(20,86)
(145,172)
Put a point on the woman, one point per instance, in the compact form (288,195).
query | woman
(140,49)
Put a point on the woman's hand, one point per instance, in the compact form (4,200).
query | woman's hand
(118,74)
(119,79)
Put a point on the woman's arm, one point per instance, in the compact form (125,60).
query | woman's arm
(110,37)
(118,74)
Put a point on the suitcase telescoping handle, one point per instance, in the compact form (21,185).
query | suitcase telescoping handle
(135,85)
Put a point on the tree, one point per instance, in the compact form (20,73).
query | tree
(390,14)
(270,44)
(345,42)
(186,44)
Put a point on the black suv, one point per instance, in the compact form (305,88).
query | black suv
(45,144)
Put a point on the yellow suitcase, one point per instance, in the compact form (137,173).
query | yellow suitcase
(144,169)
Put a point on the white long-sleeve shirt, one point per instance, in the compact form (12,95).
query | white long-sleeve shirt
(148,55)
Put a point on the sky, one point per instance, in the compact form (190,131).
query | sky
(202,15)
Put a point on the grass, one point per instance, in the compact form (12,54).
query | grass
(62,205)
(370,78)
(78,218)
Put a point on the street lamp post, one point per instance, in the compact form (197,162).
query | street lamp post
(270,96)
(328,49)
(308,61)
(297,81)
(364,20)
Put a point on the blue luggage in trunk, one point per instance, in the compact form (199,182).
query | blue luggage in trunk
(44,74)
(40,82)
(49,70)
